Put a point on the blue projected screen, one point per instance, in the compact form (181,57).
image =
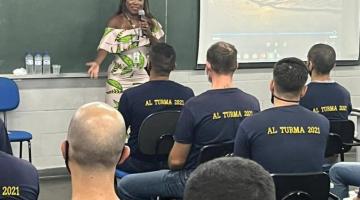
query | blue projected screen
(268,30)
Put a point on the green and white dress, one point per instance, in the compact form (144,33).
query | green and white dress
(131,57)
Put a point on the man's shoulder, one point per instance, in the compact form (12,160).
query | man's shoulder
(325,87)
(248,96)
(275,113)
(150,86)
(232,92)
(235,96)
(262,116)
(137,89)
(180,86)
(342,88)
(17,165)
(20,175)
(312,117)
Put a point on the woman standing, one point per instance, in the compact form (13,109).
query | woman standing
(128,36)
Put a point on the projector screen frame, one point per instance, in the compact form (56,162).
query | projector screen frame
(264,65)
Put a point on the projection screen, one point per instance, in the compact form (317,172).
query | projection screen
(268,30)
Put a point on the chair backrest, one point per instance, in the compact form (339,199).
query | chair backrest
(345,129)
(155,133)
(297,195)
(213,151)
(9,95)
(334,145)
(317,185)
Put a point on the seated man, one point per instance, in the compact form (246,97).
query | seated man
(209,118)
(287,138)
(158,94)
(94,145)
(231,178)
(18,178)
(4,139)
(342,175)
(324,95)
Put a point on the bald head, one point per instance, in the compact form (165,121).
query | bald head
(96,136)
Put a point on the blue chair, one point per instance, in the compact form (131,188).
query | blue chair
(120,174)
(9,100)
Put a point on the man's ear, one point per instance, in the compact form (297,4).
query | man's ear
(303,91)
(207,67)
(63,149)
(124,154)
(272,86)
(310,65)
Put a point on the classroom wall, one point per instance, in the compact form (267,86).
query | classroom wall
(47,104)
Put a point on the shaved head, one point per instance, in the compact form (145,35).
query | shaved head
(96,136)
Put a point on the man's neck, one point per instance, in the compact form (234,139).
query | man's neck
(281,103)
(315,77)
(154,77)
(93,185)
(221,82)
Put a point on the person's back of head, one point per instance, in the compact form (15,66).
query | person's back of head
(321,58)
(96,138)
(222,58)
(231,179)
(289,77)
(162,59)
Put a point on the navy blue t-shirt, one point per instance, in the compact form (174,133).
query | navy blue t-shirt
(154,96)
(289,139)
(4,139)
(212,117)
(19,180)
(329,99)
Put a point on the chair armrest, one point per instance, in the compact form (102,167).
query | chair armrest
(352,144)
(355,112)
(356,140)
(333,196)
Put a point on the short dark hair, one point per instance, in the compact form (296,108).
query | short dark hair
(162,58)
(290,75)
(230,178)
(223,58)
(323,57)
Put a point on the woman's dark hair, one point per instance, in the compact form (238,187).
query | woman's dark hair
(123,8)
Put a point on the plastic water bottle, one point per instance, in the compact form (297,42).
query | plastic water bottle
(29,63)
(38,63)
(46,63)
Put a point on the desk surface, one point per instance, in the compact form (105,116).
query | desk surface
(51,76)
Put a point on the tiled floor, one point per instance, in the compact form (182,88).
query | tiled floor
(55,188)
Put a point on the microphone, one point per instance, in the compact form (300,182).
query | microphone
(142,18)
